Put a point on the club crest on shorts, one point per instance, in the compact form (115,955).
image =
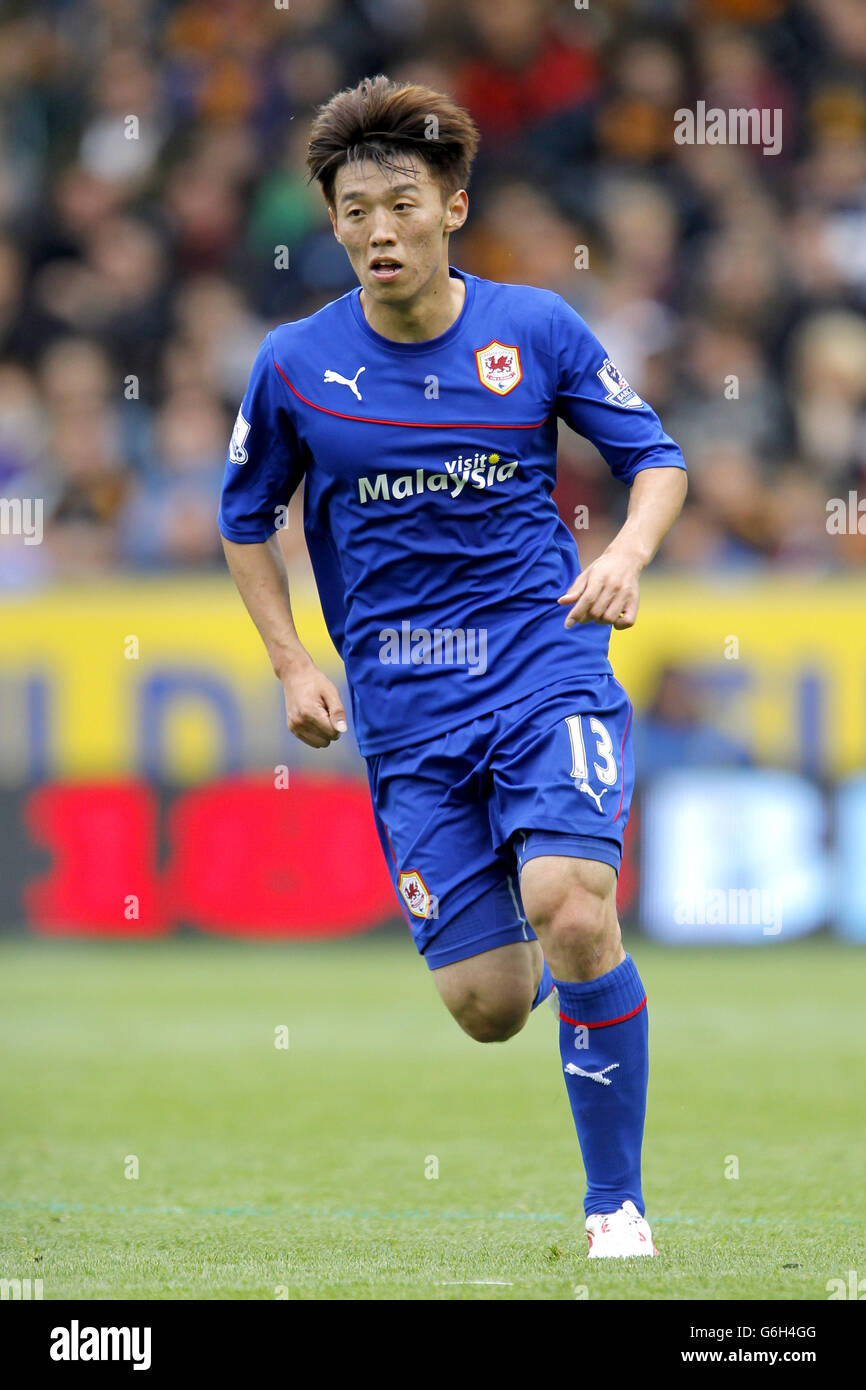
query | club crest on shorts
(414,892)
(618,390)
(499,367)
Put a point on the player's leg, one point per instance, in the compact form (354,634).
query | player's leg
(564,765)
(460,897)
(571,903)
(486,962)
(491,994)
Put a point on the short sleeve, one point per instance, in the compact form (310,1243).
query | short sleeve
(594,398)
(263,466)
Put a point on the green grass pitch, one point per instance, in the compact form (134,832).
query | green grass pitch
(301,1172)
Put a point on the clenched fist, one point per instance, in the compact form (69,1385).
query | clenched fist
(314,710)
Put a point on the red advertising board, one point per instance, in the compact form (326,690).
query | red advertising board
(237,856)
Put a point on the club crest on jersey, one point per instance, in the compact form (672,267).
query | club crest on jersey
(499,367)
(618,390)
(414,893)
(238,453)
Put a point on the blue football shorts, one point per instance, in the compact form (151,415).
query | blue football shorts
(459,814)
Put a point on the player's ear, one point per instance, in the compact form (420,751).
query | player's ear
(457,210)
(334,222)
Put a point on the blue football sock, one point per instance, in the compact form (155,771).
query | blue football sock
(545,985)
(603,1039)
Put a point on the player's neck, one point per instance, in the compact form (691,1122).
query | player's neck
(429,315)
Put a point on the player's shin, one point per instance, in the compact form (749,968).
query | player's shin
(603,1039)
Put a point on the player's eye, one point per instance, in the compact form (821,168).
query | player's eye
(402,205)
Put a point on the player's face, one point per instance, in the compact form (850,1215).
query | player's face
(394,226)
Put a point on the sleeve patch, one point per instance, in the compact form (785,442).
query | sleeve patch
(238,453)
(618,390)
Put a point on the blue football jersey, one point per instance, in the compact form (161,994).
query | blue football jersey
(429,468)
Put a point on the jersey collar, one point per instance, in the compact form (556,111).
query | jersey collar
(426,345)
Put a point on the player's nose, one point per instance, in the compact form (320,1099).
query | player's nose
(381,233)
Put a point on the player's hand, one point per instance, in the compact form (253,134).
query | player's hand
(607,591)
(314,710)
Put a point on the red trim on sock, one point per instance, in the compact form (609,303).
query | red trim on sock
(605,1023)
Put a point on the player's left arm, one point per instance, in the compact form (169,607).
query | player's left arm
(608,591)
(594,398)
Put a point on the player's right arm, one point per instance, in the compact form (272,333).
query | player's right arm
(314,710)
(263,469)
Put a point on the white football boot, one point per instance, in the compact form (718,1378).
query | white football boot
(619,1235)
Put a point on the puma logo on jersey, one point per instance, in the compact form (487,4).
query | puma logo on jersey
(598,1076)
(596,796)
(344,381)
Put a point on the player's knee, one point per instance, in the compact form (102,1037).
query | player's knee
(572,918)
(492,1020)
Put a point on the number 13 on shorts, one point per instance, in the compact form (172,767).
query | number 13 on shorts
(604,761)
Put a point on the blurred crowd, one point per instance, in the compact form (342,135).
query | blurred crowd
(152,163)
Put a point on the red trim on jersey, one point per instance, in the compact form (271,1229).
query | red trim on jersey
(407,424)
(605,1023)
(621,748)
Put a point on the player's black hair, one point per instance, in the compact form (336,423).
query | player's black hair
(392,124)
